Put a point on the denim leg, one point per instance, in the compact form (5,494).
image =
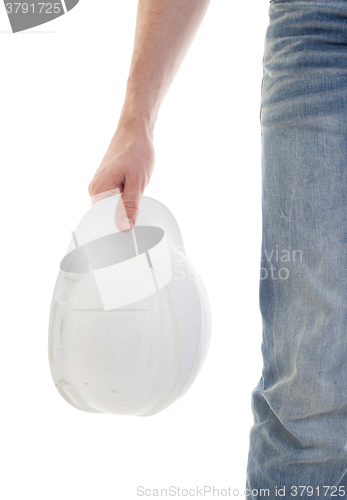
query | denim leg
(299,436)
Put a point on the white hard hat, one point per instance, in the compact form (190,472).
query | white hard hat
(130,321)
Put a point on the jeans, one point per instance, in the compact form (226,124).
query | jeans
(298,442)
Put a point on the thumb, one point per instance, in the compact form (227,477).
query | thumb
(128,208)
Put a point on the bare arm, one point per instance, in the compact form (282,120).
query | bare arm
(165,30)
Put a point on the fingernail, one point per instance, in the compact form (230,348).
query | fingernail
(126,223)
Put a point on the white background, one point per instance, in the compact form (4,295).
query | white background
(62,87)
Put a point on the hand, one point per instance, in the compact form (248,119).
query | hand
(126,168)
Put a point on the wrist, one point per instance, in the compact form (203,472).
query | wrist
(137,115)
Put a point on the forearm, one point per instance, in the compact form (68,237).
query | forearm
(165,30)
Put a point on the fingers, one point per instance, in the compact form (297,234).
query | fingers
(100,196)
(129,204)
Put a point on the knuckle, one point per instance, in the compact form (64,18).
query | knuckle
(131,206)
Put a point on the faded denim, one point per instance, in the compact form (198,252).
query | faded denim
(299,436)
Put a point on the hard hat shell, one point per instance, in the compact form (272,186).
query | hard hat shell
(127,338)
